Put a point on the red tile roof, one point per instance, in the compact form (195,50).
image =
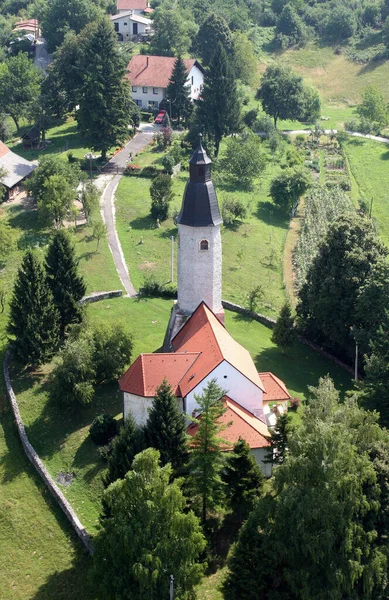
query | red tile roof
(241,423)
(275,388)
(148,371)
(3,149)
(203,332)
(153,71)
(132,4)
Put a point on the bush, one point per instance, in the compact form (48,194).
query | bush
(112,352)
(161,195)
(164,137)
(233,208)
(264,124)
(132,170)
(168,163)
(243,159)
(103,429)
(153,289)
(149,171)
(250,117)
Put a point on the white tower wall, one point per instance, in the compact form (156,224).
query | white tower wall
(199,271)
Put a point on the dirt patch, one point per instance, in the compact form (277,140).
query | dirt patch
(64,478)
(290,245)
(147,266)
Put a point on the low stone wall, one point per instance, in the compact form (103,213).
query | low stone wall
(39,466)
(96,296)
(269,322)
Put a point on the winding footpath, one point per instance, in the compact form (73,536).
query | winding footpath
(108,184)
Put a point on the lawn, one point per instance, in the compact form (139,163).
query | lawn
(369,164)
(252,248)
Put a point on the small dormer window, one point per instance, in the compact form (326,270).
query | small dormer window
(204,245)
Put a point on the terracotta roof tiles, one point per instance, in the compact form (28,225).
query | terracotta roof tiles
(153,71)
(275,388)
(132,4)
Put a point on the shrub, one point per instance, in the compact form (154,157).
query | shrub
(243,159)
(168,163)
(132,170)
(164,137)
(250,117)
(233,208)
(149,171)
(112,352)
(161,195)
(153,289)
(103,429)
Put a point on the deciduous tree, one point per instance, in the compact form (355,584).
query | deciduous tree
(113,347)
(161,192)
(146,535)
(373,106)
(56,201)
(174,30)
(287,188)
(243,159)
(19,87)
(57,18)
(48,166)
(34,318)
(281,93)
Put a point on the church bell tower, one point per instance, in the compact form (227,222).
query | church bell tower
(199,240)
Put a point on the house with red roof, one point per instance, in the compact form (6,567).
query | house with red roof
(137,6)
(198,348)
(149,77)
(128,25)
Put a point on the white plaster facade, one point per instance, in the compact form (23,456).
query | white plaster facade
(147,96)
(128,24)
(139,407)
(237,386)
(260,456)
(199,270)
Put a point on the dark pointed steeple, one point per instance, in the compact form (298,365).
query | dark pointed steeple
(199,205)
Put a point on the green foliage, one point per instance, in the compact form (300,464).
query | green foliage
(374,107)
(385,32)
(106,106)
(34,319)
(284,333)
(233,209)
(346,287)
(287,188)
(178,91)
(290,30)
(279,441)
(322,207)
(340,24)
(324,509)
(7,240)
(254,297)
(57,18)
(218,111)
(73,377)
(174,31)
(245,61)
(147,535)
(213,31)
(311,108)
(373,390)
(48,167)
(243,479)
(56,201)
(103,429)
(161,193)
(125,446)
(166,428)
(281,93)
(65,282)
(19,87)
(206,460)
(99,231)
(89,198)
(243,159)
(112,353)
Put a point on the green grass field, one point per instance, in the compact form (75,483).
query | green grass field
(369,164)
(252,249)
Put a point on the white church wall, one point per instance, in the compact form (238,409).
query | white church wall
(260,456)
(138,406)
(237,386)
(199,271)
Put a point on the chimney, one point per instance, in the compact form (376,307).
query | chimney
(147,61)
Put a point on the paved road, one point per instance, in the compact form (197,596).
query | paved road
(118,163)
(368,136)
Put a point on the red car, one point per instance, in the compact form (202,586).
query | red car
(159,119)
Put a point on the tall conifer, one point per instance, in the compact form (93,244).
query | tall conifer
(178,91)
(166,427)
(66,285)
(34,318)
(243,479)
(219,110)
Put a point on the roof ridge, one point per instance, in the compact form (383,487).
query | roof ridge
(244,410)
(143,373)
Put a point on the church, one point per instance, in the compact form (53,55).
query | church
(198,347)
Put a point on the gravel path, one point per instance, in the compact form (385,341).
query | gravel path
(108,184)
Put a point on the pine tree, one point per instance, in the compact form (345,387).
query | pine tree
(165,428)
(125,446)
(106,106)
(178,91)
(243,478)
(278,441)
(206,460)
(66,285)
(284,334)
(34,318)
(213,31)
(219,109)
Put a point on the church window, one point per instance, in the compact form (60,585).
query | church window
(204,245)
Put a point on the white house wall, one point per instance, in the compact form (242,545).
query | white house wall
(260,456)
(138,95)
(126,27)
(237,387)
(196,81)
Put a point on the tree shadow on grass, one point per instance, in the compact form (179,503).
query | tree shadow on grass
(143,223)
(271,214)
(356,141)
(13,462)
(87,255)
(371,66)
(70,583)
(385,155)
(27,221)
(168,233)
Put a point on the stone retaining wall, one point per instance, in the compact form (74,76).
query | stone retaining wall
(96,296)
(39,466)
(269,322)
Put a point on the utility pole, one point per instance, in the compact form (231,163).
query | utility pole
(172,261)
(171,587)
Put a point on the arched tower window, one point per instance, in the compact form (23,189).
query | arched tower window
(204,245)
